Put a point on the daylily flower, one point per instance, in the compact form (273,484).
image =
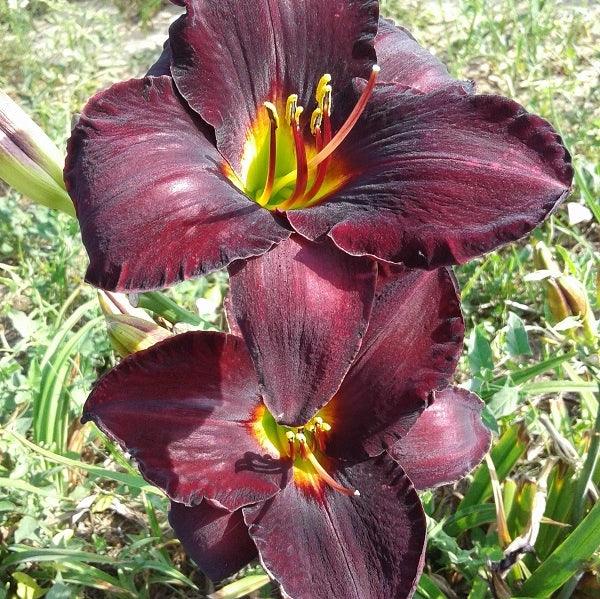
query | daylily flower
(266,117)
(321,502)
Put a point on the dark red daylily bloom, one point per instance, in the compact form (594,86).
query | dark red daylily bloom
(322,503)
(210,158)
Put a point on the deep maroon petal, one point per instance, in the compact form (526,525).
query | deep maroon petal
(402,60)
(152,201)
(302,309)
(335,545)
(217,540)
(229,57)
(183,409)
(411,347)
(448,440)
(440,178)
(163,65)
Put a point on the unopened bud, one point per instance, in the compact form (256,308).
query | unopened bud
(574,293)
(29,161)
(557,304)
(544,260)
(576,297)
(129,334)
(112,302)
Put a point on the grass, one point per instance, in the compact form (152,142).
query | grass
(76,520)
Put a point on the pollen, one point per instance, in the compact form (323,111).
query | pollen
(290,165)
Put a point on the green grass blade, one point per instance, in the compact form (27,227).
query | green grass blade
(21,485)
(586,474)
(427,589)
(540,387)
(469,517)
(523,375)
(136,482)
(567,559)
(241,588)
(23,553)
(50,422)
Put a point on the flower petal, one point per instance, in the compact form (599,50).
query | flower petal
(411,347)
(152,202)
(163,64)
(336,545)
(229,57)
(402,60)
(448,440)
(441,178)
(302,309)
(217,540)
(183,409)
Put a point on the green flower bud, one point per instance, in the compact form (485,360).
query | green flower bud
(576,297)
(129,329)
(29,161)
(557,304)
(129,334)
(544,260)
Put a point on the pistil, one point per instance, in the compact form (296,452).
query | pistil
(327,477)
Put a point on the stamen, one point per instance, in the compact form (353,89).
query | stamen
(325,103)
(326,476)
(274,118)
(304,451)
(301,166)
(322,141)
(315,120)
(291,444)
(350,121)
(328,143)
(320,437)
(322,88)
(291,106)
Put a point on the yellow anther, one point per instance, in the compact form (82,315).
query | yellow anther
(299,110)
(325,103)
(323,84)
(315,120)
(325,427)
(272,112)
(290,435)
(290,108)
(301,438)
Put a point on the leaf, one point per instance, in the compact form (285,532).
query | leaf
(27,529)
(489,420)
(22,323)
(59,591)
(505,401)
(480,354)
(27,587)
(517,343)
